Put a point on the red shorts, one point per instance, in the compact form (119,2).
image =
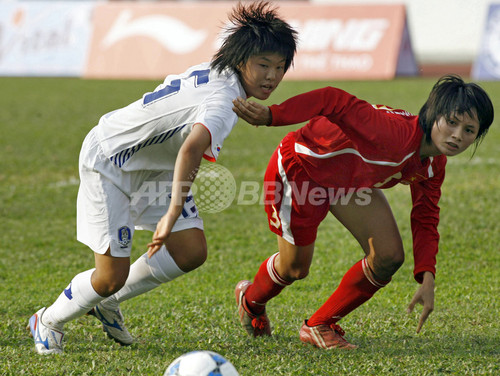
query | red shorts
(295,205)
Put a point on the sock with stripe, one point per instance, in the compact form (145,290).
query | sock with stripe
(75,301)
(146,273)
(358,285)
(266,285)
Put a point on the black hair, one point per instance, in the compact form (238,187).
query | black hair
(451,95)
(255,28)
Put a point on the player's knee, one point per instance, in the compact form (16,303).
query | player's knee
(108,285)
(199,256)
(113,287)
(188,248)
(294,273)
(192,258)
(392,265)
(390,262)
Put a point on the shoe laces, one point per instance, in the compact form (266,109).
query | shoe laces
(338,329)
(258,323)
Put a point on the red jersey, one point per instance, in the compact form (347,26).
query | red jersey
(350,143)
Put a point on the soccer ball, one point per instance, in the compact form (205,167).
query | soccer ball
(201,363)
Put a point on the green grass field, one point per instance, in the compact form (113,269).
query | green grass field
(42,125)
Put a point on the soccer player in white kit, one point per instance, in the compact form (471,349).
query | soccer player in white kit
(159,140)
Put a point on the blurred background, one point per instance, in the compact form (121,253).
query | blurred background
(366,39)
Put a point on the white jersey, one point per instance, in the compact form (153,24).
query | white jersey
(148,133)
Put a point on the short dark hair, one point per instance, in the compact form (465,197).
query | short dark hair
(255,29)
(451,95)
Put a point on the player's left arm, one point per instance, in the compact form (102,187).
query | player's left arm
(424,223)
(185,170)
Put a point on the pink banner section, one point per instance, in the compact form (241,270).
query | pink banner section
(151,40)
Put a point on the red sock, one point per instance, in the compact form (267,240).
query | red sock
(266,285)
(357,286)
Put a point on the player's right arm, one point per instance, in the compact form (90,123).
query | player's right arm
(186,166)
(329,102)
(375,130)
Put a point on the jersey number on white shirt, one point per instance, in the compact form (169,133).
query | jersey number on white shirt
(201,77)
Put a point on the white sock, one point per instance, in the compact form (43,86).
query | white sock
(75,301)
(145,274)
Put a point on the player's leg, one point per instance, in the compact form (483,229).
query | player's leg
(110,273)
(185,250)
(85,290)
(188,248)
(295,220)
(103,223)
(280,270)
(373,225)
(109,277)
(289,264)
(373,218)
(292,261)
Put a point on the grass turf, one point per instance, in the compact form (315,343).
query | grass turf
(43,122)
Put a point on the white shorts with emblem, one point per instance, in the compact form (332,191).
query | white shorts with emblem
(112,203)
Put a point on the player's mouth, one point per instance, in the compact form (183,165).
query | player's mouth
(268,89)
(452,146)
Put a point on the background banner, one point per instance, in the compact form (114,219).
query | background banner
(351,42)
(151,40)
(487,64)
(44,38)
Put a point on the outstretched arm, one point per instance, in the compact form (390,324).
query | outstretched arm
(424,222)
(186,166)
(338,106)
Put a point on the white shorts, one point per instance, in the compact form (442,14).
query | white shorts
(112,203)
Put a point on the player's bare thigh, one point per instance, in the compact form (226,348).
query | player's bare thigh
(188,248)
(293,261)
(373,218)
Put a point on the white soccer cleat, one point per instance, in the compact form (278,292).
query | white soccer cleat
(47,340)
(112,324)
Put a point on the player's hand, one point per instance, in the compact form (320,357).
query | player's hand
(252,112)
(425,297)
(163,229)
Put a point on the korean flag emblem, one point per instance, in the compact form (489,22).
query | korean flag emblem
(124,236)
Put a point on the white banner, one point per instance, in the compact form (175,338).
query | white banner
(487,64)
(44,38)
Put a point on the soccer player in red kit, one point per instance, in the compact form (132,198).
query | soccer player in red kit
(338,163)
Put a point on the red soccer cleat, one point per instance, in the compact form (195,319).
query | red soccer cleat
(325,336)
(255,325)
